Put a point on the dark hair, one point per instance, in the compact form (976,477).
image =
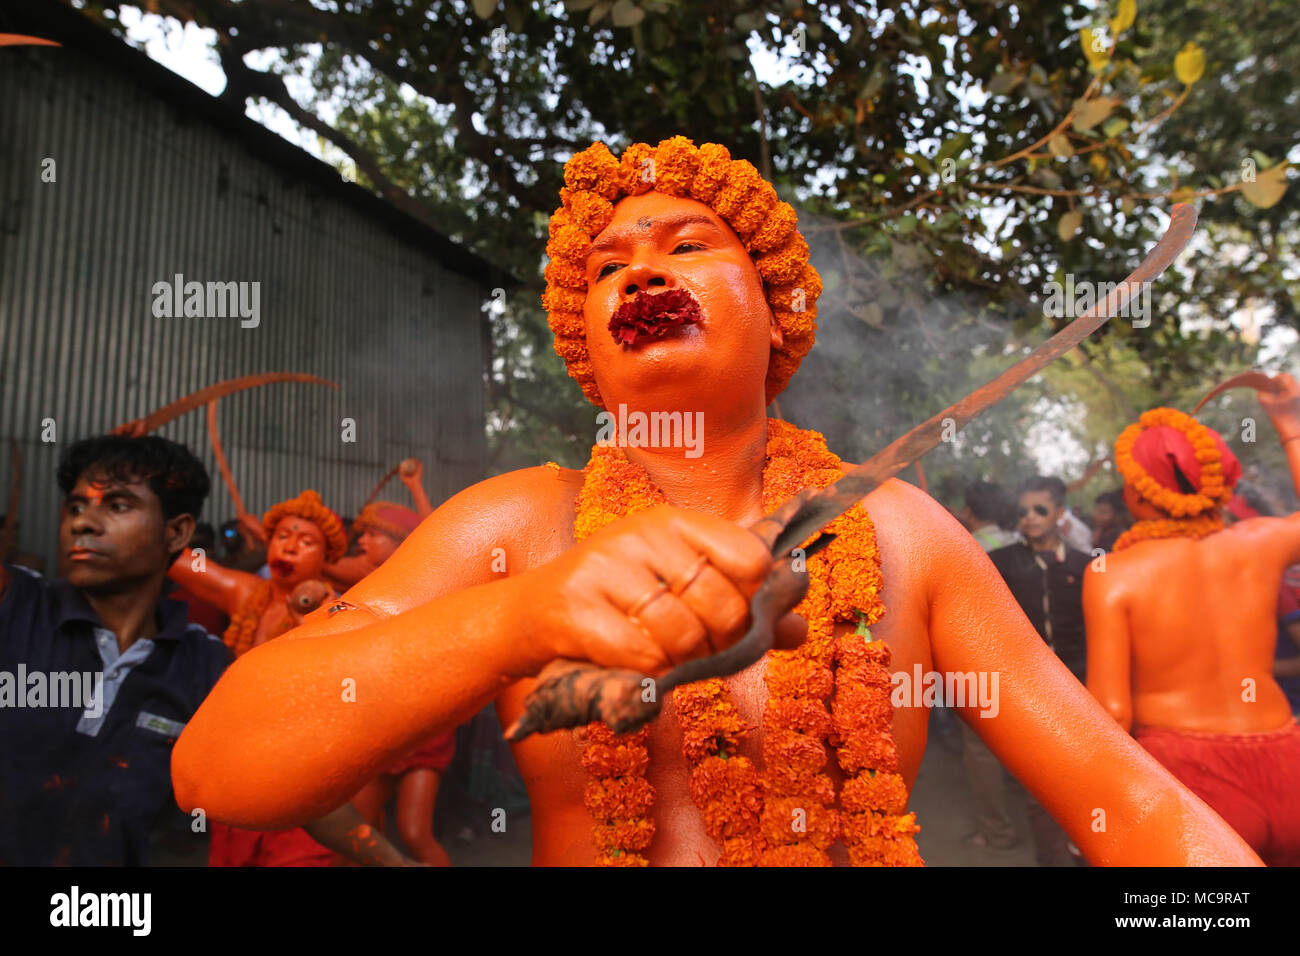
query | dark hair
(1115,499)
(1053,486)
(204,537)
(178,478)
(990,502)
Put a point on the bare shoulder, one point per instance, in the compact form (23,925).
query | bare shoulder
(899,509)
(523,507)
(497,527)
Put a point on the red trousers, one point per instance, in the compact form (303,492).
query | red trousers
(1251,780)
(234,847)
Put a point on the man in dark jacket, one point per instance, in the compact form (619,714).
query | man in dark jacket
(1046,578)
(1045,575)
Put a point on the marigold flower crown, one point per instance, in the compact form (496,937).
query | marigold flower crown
(1193,515)
(1214,490)
(594,180)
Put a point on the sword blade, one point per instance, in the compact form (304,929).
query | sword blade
(835,499)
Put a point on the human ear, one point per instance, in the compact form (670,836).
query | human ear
(178,532)
(776,335)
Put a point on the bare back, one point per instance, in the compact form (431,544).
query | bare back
(1198,617)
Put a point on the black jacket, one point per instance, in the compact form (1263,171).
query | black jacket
(1051,595)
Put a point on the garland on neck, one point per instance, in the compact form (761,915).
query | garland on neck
(1154,529)
(242,631)
(786,813)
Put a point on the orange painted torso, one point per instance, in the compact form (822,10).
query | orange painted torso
(1200,617)
(555,777)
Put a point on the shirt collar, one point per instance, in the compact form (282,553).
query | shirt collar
(171,617)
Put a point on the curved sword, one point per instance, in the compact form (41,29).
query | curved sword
(224,466)
(1259,381)
(200,398)
(572,693)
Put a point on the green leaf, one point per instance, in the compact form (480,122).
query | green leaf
(484,9)
(952,147)
(1060,146)
(1114,126)
(1070,224)
(1003,83)
(1268,187)
(871,314)
(1088,113)
(625,13)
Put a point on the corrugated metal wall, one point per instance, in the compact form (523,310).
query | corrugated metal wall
(142,193)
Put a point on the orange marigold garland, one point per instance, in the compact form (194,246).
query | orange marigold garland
(242,630)
(1151,530)
(618,796)
(785,815)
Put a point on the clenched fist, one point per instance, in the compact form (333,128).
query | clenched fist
(651,591)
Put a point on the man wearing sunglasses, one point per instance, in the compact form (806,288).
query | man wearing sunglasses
(1045,576)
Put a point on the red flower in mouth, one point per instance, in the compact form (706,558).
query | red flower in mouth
(651,313)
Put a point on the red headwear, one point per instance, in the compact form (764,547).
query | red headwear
(1166,443)
(391,519)
(1161,449)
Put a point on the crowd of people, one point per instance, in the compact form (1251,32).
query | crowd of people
(90,785)
(147,599)
(1043,550)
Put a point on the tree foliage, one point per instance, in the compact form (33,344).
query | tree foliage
(949,160)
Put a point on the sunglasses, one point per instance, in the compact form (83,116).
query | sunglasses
(1041,510)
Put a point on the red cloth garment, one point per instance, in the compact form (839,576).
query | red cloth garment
(1159,449)
(231,846)
(205,615)
(433,754)
(1251,780)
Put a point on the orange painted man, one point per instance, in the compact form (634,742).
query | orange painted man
(1181,624)
(302,535)
(682,299)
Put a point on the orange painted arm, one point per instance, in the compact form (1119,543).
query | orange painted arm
(411,473)
(1109,647)
(1113,799)
(347,571)
(429,644)
(216,584)
(374,691)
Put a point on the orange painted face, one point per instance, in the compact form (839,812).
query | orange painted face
(296,551)
(656,243)
(376,545)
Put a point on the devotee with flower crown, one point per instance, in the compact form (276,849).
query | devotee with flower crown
(1195,685)
(678,283)
(302,535)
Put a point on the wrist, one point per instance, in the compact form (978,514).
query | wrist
(530,638)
